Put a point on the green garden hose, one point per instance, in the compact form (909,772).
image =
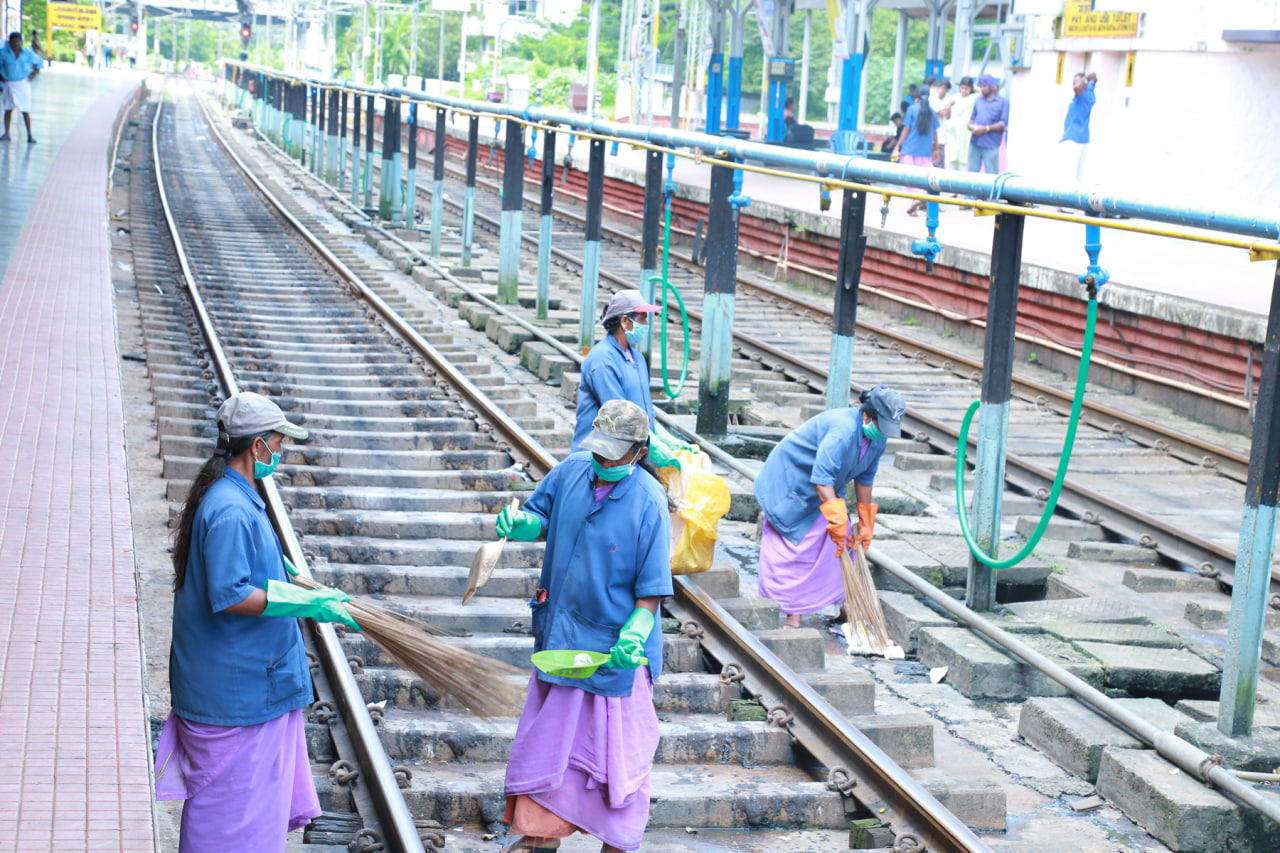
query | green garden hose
(662,315)
(1082,374)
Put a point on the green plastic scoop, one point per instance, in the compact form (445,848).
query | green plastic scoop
(566,663)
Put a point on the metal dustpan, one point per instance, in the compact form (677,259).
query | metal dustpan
(482,564)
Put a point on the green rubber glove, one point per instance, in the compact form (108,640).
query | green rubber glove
(322,605)
(518,525)
(628,652)
(290,567)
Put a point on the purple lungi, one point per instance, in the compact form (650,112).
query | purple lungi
(245,787)
(587,758)
(801,578)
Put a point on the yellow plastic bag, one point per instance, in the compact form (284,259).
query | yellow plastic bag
(701,499)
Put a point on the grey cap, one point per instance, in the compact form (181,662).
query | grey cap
(248,413)
(888,407)
(618,425)
(627,302)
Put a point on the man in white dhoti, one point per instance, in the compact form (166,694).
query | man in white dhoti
(18,67)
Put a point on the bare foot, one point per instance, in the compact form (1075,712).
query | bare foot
(532,844)
(792,621)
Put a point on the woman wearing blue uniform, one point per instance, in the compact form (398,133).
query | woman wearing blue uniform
(801,490)
(615,368)
(234,746)
(584,748)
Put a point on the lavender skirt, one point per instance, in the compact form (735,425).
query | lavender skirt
(245,787)
(587,758)
(801,578)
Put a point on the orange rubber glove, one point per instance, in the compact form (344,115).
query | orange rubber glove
(837,516)
(866,524)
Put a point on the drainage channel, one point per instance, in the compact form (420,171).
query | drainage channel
(397,488)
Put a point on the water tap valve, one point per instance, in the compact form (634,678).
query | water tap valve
(929,247)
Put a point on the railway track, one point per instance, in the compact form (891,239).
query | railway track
(1177,504)
(414,447)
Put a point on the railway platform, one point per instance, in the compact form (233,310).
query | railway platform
(72,713)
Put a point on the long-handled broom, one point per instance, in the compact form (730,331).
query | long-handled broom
(483,686)
(866,630)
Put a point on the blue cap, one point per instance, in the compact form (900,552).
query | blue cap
(888,407)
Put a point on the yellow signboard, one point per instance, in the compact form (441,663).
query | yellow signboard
(1079,20)
(1128,69)
(72,16)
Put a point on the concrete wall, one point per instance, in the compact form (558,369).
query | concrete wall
(1199,119)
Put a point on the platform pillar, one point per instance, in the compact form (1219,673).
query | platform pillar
(356,174)
(368,151)
(993,417)
(853,244)
(591,248)
(389,207)
(1257,541)
(737,46)
(545,223)
(332,161)
(437,184)
(651,234)
(469,197)
(715,66)
(512,214)
(411,168)
(342,139)
(720,289)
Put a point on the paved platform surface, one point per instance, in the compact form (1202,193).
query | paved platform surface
(61,95)
(72,716)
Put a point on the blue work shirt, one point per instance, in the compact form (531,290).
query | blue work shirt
(230,669)
(918,144)
(1076,127)
(826,450)
(600,559)
(18,67)
(608,375)
(987,112)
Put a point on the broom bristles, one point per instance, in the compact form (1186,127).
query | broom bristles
(861,602)
(481,685)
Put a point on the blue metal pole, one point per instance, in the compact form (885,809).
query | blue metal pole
(368,152)
(715,92)
(411,169)
(545,223)
(1257,541)
(993,417)
(651,231)
(313,93)
(512,207)
(720,293)
(389,196)
(469,197)
(850,92)
(853,244)
(356,173)
(734,106)
(591,248)
(437,184)
(331,158)
(342,143)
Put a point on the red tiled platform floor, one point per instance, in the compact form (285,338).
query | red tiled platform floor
(73,729)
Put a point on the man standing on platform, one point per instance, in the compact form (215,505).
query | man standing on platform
(988,124)
(18,67)
(1075,130)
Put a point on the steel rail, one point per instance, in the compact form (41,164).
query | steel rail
(1179,444)
(394,820)
(820,727)
(1111,515)
(1185,755)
